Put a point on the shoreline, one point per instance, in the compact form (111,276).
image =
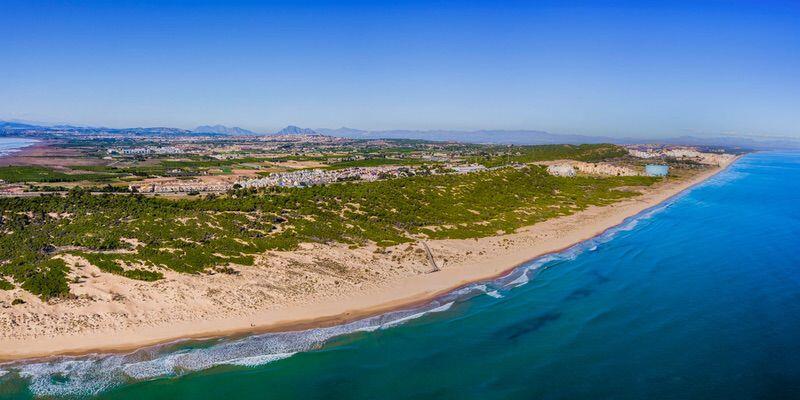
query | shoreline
(20,155)
(29,143)
(556,235)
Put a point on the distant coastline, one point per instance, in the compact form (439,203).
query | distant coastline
(10,146)
(27,152)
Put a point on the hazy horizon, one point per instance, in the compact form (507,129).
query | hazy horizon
(595,68)
(708,135)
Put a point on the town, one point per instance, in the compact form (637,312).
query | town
(163,163)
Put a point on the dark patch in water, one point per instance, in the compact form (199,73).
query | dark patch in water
(530,325)
(579,294)
(59,378)
(600,277)
(338,387)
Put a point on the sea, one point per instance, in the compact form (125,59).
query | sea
(10,145)
(696,298)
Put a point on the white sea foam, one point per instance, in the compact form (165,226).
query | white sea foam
(495,294)
(485,289)
(92,375)
(255,361)
(405,319)
(519,281)
(70,376)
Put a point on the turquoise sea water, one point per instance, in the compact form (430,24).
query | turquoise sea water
(698,298)
(9,145)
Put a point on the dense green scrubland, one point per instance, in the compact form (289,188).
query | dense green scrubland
(137,236)
(493,156)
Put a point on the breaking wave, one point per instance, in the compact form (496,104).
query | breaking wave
(93,374)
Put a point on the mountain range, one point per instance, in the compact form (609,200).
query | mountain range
(296,130)
(532,137)
(479,136)
(12,128)
(235,130)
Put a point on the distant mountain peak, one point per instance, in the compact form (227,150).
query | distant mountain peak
(343,131)
(296,130)
(235,130)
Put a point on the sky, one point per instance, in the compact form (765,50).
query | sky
(616,68)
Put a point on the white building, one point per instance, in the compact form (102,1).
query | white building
(466,169)
(561,170)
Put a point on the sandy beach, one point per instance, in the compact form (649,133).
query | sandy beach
(317,285)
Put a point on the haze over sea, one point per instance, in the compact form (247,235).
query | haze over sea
(697,298)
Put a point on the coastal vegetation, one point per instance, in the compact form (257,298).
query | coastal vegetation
(493,156)
(141,237)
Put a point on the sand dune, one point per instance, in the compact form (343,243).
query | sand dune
(315,285)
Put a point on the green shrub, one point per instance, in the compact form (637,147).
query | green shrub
(202,233)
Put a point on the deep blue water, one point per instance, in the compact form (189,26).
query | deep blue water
(699,299)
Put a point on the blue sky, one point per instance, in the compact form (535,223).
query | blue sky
(588,67)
